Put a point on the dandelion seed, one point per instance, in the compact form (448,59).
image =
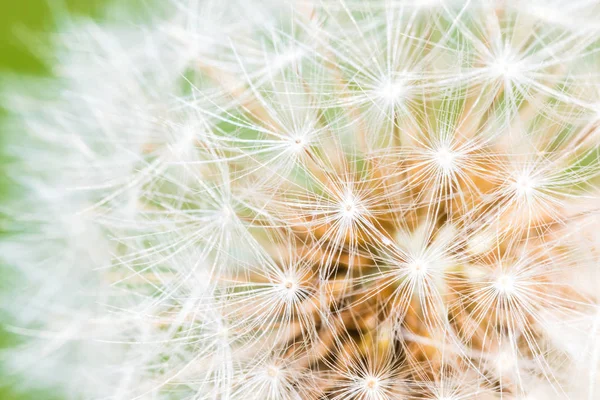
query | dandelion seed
(505,285)
(446,159)
(418,267)
(506,66)
(524,186)
(391,91)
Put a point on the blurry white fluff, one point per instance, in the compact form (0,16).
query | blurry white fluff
(328,199)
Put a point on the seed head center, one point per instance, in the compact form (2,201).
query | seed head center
(298,142)
(505,284)
(524,186)
(445,159)
(349,208)
(418,267)
(391,91)
(372,383)
(272,371)
(506,65)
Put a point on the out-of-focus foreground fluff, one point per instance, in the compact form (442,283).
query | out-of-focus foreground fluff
(328,199)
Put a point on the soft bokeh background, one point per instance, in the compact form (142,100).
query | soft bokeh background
(22,21)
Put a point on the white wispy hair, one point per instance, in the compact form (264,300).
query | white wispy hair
(310,199)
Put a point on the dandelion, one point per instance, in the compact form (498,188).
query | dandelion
(294,200)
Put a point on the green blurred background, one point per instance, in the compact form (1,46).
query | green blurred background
(21,20)
(33,15)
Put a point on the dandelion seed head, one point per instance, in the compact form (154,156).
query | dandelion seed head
(273,371)
(524,185)
(290,289)
(418,267)
(506,68)
(506,64)
(226,213)
(446,159)
(299,142)
(301,200)
(350,207)
(391,91)
(505,284)
(371,383)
